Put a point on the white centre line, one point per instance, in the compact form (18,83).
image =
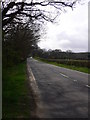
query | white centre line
(88,86)
(64,75)
(74,80)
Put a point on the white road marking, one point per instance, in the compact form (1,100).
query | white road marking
(36,60)
(74,80)
(64,75)
(88,86)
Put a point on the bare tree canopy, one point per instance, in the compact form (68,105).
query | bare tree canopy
(34,9)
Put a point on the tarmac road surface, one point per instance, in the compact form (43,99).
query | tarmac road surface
(64,93)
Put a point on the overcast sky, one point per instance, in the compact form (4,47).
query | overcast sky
(70,33)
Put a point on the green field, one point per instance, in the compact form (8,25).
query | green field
(73,67)
(17,99)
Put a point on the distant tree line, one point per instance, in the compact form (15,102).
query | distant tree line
(59,54)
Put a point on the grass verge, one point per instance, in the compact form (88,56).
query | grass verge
(81,69)
(17,99)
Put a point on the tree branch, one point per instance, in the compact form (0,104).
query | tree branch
(31,7)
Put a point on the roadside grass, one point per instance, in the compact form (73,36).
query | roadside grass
(17,101)
(81,69)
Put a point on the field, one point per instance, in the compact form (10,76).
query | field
(79,65)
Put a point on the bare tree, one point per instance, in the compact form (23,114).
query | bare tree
(34,9)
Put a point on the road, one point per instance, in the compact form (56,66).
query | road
(64,92)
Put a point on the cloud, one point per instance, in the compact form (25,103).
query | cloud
(71,32)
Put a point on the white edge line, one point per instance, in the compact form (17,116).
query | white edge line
(37,94)
(64,75)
